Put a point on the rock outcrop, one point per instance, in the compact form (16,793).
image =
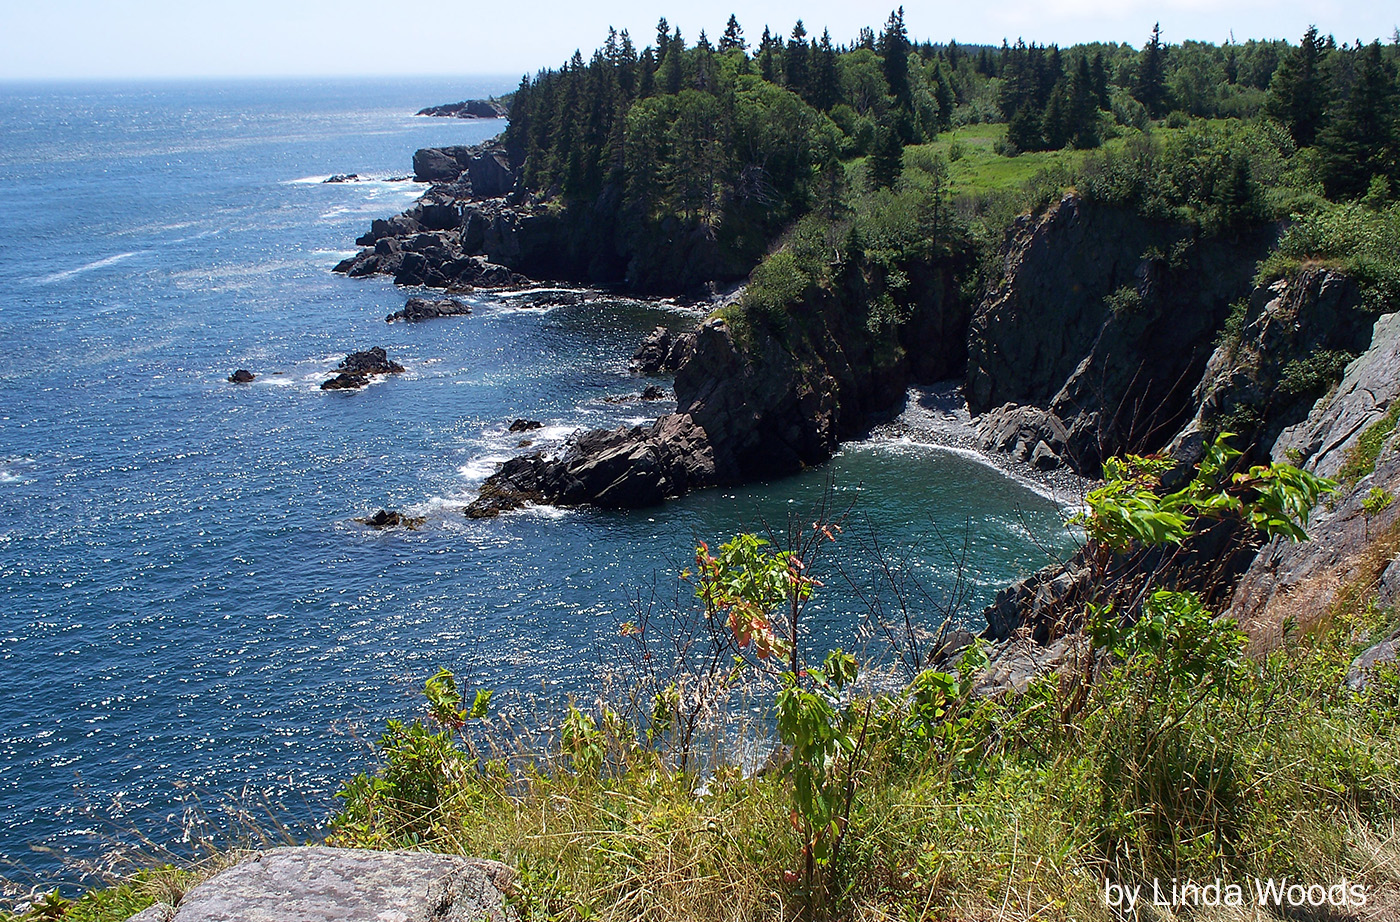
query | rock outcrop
(315,884)
(357,368)
(241,376)
(612,468)
(470,108)
(424,309)
(765,404)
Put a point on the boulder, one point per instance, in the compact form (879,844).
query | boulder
(491,175)
(344,382)
(1381,655)
(662,352)
(1028,434)
(525,425)
(418,309)
(440,164)
(653,392)
(242,376)
(318,884)
(343,177)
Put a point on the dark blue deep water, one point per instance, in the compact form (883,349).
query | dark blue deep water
(187,610)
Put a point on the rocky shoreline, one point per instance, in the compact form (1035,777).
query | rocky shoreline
(1057,375)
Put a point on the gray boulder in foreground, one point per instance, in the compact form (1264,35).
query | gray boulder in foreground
(315,884)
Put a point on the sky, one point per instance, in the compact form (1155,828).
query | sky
(124,39)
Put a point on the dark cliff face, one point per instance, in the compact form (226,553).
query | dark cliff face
(769,402)
(1105,321)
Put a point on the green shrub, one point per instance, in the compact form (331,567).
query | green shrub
(1363,242)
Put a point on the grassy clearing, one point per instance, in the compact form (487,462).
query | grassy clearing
(975,168)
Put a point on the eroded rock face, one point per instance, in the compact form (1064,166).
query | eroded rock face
(1300,581)
(1251,385)
(315,884)
(1105,320)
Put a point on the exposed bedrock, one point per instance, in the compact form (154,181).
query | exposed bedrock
(1355,535)
(1103,320)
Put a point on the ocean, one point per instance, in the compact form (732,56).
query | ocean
(190,620)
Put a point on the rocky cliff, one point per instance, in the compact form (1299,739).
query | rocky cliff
(758,401)
(1093,341)
(476,225)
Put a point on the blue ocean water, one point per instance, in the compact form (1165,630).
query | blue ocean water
(187,610)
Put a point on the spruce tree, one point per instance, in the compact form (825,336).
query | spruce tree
(1150,88)
(826,78)
(733,37)
(795,68)
(1298,94)
(1359,143)
(894,51)
(767,66)
(887,159)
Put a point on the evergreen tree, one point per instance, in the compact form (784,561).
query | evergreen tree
(1099,71)
(953,54)
(1024,129)
(1150,88)
(943,96)
(887,159)
(733,37)
(646,74)
(795,68)
(1359,143)
(894,50)
(663,39)
(1298,94)
(767,66)
(1083,107)
(826,77)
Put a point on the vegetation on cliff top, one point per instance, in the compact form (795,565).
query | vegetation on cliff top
(728,143)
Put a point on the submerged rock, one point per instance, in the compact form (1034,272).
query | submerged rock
(242,376)
(422,309)
(525,425)
(388,518)
(343,177)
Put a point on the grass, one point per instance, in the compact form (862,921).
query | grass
(1361,457)
(980,170)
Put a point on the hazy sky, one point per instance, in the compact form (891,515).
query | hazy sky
(174,38)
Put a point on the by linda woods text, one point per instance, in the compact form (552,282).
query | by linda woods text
(1277,892)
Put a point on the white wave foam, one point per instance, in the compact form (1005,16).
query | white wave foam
(478,469)
(98,264)
(536,511)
